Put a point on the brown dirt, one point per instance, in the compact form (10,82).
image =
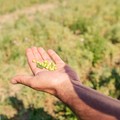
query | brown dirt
(27,11)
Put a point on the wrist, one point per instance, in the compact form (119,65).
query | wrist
(66,91)
(68,94)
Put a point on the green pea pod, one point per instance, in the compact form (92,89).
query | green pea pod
(51,66)
(39,65)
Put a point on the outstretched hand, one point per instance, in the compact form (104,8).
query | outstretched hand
(65,85)
(42,79)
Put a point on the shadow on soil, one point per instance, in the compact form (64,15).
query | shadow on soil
(26,114)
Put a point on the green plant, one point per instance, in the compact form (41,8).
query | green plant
(62,112)
(80,26)
(114,34)
(97,45)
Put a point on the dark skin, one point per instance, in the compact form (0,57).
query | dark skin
(64,83)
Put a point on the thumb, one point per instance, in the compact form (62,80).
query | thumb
(23,79)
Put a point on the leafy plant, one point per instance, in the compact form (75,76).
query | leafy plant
(114,34)
(62,112)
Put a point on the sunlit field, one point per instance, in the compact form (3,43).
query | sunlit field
(86,35)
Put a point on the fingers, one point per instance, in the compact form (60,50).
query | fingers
(36,54)
(55,57)
(23,79)
(44,54)
(30,58)
(40,54)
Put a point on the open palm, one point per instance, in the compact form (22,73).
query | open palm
(44,80)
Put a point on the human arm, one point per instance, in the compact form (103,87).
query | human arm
(89,104)
(64,83)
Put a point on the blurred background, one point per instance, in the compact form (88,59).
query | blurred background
(85,33)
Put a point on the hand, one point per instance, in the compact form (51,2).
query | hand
(48,81)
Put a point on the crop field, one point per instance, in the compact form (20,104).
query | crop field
(86,35)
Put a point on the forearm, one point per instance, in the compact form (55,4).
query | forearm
(88,104)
